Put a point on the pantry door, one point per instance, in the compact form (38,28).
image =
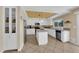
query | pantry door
(10,28)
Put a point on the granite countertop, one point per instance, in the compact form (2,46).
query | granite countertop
(45,26)
(42,27)
(58,29)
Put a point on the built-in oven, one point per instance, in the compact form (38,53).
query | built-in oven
(58,35)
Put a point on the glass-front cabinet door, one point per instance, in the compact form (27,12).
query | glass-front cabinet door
(10,32)
(6,20)
(13,20)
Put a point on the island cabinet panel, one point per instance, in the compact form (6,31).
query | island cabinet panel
(65,36)
(42,37)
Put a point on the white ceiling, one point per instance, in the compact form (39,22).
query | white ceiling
(54,9)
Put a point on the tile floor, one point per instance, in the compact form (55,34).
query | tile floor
(53,46)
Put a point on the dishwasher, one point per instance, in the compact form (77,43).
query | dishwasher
(58,35)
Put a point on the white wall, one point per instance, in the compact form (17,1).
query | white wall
(1,28)
(77,30)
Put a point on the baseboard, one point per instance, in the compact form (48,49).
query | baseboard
(20,48)
(74,43)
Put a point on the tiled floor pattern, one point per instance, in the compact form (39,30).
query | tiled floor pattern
(53,46)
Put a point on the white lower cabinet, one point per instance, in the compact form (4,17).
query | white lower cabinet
(30,31)
(52,33)
(42,37)
(65,36)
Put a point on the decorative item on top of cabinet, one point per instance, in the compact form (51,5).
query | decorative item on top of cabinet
(67,21)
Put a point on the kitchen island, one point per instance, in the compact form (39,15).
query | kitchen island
(42,36)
